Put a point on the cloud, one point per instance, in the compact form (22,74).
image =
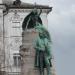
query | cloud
(62,29)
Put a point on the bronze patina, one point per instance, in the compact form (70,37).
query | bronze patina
(42,46)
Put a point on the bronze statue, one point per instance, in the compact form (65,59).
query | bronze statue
(43,50)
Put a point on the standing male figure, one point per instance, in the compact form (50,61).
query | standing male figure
(43,54)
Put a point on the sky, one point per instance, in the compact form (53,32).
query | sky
(61,22)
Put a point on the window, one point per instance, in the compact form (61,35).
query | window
(17,59)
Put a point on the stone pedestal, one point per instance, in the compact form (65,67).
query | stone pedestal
(28,53)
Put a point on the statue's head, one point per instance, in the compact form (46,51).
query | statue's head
(40,29)
(35,11)
(43,32)
(35,16)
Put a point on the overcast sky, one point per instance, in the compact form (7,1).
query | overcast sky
(62,29)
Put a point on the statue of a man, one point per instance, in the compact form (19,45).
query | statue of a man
(43,50)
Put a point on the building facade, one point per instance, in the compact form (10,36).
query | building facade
(12,15)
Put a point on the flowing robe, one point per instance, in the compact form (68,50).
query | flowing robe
(43,52)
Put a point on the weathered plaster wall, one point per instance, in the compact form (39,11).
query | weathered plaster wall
(13,34)
(1,39)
